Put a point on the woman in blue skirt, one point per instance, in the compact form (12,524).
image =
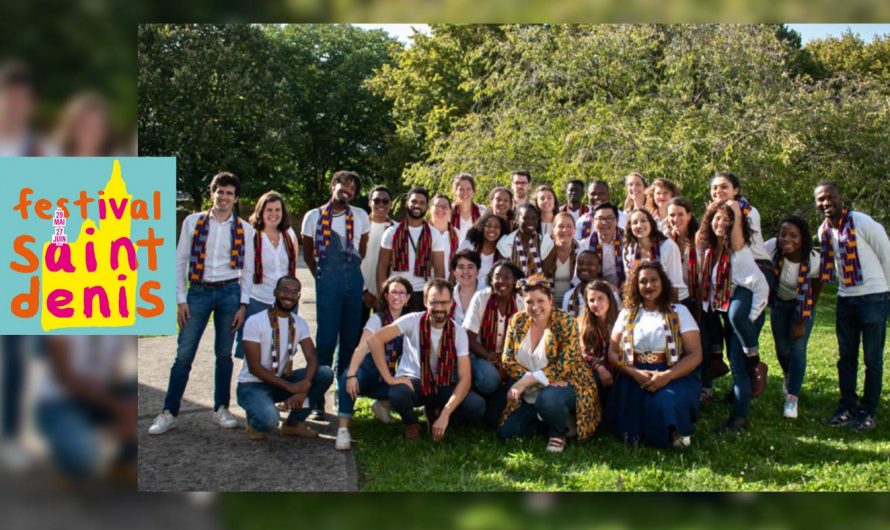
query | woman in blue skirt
(655,349)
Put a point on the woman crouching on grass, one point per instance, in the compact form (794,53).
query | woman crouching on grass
(655,348)
(362,377)
(598,315)
(549,384)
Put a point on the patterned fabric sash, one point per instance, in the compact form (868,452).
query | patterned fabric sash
(617,249)
(575,299)
(199,246)
(277,356)
(258,255)
(846,242)
(719,298)
(634,254)
(488,332)
(394,347)
(599,355)
(691,268)
(520,254)
(585,226)
(804,296)
(582,212)
(323,231)
(474,215)
(745,206)
(447,362)
(453,240)
(422,253)
(671,335)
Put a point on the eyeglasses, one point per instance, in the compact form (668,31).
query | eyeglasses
(379,200)
(433,303)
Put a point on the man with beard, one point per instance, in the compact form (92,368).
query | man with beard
(434,370)
(267,376)
(574,194)
(214,254)
(519,182)
(335,237)
(412,249)
(856,251)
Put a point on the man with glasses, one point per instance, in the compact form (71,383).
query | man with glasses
(607,240)
(380,202)
(434,370)
(267,376)
(519,182)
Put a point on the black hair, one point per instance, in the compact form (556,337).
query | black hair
(470,255)
(225,178)
(806,237)
(342,177)
(505,263)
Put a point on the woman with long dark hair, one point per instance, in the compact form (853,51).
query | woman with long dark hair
(483,238)
(598,315)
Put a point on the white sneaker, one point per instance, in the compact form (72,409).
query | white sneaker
(344,440)
(163,423)
(790,407)
(382,413)
(785,386)
(224,418)
(682,441)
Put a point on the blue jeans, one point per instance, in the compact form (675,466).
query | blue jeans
(792,354)
(739,364)
(370,384)
(865,317)
(223,302)
(551,412)
(259,399)
(486,378)
(403,400)
(742,327)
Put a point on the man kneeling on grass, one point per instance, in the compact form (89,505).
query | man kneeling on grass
(434,370)
(267,376)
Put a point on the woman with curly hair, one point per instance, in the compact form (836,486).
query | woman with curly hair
(658,195)
(483,238)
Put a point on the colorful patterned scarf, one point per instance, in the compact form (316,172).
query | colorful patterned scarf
(199,246)
(453,240)
(691,268)
(634,254)
(719,299)
(745,206)
(617,248)
(804,296)
(423,253)
(474,214)
(393,348)
(447,362)
(323,231)
(846,242)
(585,226)
(488,332)
(575,299)
(258,255)
(673,344)
(520,258)
(277,356)
(599,355)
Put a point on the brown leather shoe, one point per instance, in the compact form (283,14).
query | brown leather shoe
(254,435)
(758,379)
(300,430)
(718,368)
(412,432)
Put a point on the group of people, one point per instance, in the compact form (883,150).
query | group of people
(526,315)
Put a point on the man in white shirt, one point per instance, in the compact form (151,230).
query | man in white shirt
(574,199)
(335,239)
(380,202)
(520,181)
(434,370)
(267,376)
(214,254)
(856,251)
(607,241)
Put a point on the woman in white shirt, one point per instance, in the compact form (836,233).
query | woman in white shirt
(440,221)
(566,249)
(644,241)
(466,212)
(526,247)
(483,238)
(655,348)
(658,195)
(275,250)
(465,269)
(545,199)
(793,311)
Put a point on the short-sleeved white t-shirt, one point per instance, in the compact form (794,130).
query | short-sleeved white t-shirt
(338,225)
(649,333)
(417,282)
(787,287)
(409,364)
(258,329)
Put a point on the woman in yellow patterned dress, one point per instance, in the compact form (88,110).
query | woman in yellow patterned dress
(549,384)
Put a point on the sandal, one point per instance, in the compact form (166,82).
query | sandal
(555,445)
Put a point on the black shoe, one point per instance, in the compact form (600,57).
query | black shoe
(840,418)
(863,423)
(735,424)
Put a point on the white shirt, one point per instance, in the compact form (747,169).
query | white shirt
(372,255)
(757,247)
(609,272)
(275,263)
(745,273)
(534,360)
(505,247)
(258,329)
(409,364)
(485,266)
(361,225)
(562,277)
(417,282)
(787,288)
(466,223)
(459,310)
(873,248)
(445,244)
(671,260)
(473,319)
(649,332)
(547,229)
(217,266)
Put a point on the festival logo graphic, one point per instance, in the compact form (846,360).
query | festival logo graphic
(88,245)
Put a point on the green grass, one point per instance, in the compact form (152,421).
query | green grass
(774,455)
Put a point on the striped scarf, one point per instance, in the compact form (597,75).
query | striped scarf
(453,240)
(846,242)
(401,242)
(199,246)
(634,254)
(745,206)
(691,268)
(445,366)
(719,299)
(671,336)
(277,356)
(804,296)
(617,247)
(258,255)
(599,355)
(488,332)
(520,254)
(474,215)
(393,348)
(323,231)
(585,226)
(575,299)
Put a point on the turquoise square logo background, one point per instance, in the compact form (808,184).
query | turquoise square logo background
(53,178)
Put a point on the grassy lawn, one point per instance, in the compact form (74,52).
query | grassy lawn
(774,455)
